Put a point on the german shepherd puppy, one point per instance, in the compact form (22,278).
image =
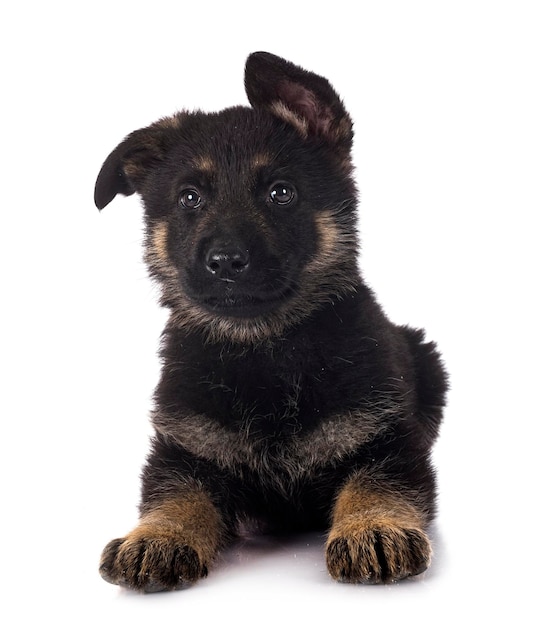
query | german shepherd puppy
(287,397)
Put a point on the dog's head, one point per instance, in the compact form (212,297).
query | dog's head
(250,212)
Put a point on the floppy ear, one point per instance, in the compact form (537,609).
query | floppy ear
(126,168)
(303,99)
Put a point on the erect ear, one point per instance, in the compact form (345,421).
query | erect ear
(126,168)
(303,99)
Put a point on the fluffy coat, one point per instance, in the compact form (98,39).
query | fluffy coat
(286,397)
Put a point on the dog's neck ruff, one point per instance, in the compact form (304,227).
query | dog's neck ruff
(249,331)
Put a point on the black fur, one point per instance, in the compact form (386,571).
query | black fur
(286,397)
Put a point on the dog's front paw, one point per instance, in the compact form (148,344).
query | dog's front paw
(172,546)
(151,564)
(379,554)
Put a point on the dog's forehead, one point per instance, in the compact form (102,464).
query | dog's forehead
(232,139)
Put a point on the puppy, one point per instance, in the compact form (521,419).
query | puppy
(287,397)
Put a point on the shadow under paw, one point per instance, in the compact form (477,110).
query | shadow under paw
(378,555)
(150,565)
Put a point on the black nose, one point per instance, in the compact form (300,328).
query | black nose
(227,263)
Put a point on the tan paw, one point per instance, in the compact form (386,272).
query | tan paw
(171,547)
(155,564)
(378,554)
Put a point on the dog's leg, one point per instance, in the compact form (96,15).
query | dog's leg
(173,544)
(377,534)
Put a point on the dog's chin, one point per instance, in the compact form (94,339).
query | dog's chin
(243,305)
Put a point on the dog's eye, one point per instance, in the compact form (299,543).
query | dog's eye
(282,194)
(190,199)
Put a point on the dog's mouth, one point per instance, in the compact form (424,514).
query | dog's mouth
(241,304)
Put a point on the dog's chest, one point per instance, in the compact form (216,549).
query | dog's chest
(283,416)
(284,411)
(266,396)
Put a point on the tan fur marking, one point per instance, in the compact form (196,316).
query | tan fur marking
(205,164)
(358,506)
(332,243)
(328,233)
(302,456)
(285,113)
(376,535)
(173,544)
(159,240)
(156,254)
(191,519)
(261,160)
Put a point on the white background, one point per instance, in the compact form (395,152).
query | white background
(448,100)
